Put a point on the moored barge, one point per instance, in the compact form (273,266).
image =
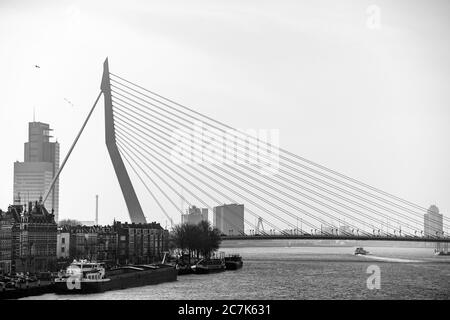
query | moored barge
(209,266)
(88,277)
(233,262)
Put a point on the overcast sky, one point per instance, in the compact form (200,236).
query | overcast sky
(370,102)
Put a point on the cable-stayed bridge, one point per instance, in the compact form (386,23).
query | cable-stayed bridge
(168,147)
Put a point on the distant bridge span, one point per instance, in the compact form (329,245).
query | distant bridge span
(329,237)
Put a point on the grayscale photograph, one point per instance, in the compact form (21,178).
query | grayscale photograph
(239,153)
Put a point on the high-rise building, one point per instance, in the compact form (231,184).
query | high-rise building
(433,223)
(33,176)
(229,219)
(194,215)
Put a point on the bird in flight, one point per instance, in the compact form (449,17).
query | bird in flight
(69,102)
(36,66)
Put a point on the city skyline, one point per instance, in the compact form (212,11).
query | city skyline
(400,148)
(225,151)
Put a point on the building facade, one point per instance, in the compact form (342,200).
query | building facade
(141,243)
(433,223)
(33,176)
(7,226)
(229,219)
(194,215)
(83,242)
(63,244)
(35,243)
(28,239)
(121,243)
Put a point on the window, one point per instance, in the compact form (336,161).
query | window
(63,240)
(63,249)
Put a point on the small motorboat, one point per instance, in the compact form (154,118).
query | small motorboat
(361,251)
(441,253)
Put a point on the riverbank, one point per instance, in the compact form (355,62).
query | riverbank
(303,273)
(26,290)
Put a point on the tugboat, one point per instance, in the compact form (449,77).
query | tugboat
(209,265)
(233,262)
(86,277)
(361,251)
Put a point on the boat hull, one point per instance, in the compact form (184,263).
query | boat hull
(233,265)
(119,281)
(201,270)
(184,270)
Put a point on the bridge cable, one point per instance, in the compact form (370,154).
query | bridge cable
(285,194)
(204,203)
(164,163)
(282,150)
(197,119)
(273,205)
(349,208)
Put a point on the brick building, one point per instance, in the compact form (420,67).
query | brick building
(121,243)
(92,243)
(141,243)
(28,239)
(7,224)
(35,242)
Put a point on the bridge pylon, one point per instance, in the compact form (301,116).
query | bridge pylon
(259,226)
(131,200)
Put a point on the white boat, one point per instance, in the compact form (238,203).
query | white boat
(83,276)
(441,253)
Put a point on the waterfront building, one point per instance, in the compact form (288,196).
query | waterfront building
(229,219)
(116,244)
(34,238)
(107,244)
(433,223)
(33,176)
(194,215)
(7,223)
(83,242)
(63,243)
(141,243)
(89,242)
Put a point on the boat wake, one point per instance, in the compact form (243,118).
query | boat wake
(390,259)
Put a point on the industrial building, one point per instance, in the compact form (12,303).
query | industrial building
(194,215)
(229,219)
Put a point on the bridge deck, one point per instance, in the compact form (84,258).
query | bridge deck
(329,237)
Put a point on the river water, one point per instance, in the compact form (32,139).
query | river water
(306,273)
